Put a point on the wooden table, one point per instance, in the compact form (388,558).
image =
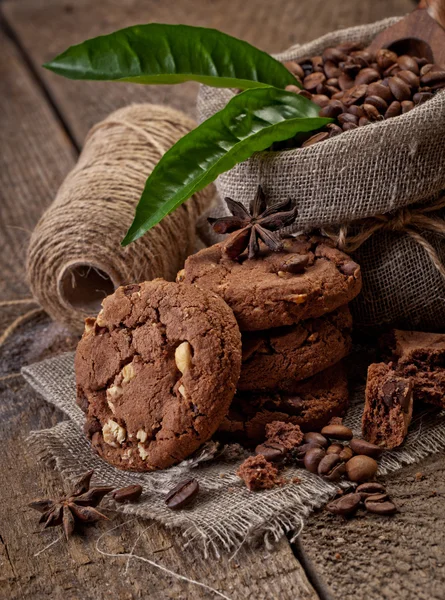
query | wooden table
(43,121)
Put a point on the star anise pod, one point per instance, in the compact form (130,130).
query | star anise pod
(76,507)
(259,223)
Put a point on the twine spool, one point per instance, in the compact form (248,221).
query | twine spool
(74,257)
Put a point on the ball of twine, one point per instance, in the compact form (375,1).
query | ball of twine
(74,257)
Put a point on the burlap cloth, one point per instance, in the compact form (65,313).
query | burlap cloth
(225,514)
(373,170)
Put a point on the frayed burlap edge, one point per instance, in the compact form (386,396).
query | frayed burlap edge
(225,514)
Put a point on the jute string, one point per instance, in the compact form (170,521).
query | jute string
(74,256)
(410,221)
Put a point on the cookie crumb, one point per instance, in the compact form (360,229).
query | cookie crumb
(258,473)
(287,434)
(420,476)
(296,480)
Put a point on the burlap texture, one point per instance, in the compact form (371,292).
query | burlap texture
(372,170)
(225,513)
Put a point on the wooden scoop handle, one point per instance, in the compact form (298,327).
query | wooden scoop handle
(418,34)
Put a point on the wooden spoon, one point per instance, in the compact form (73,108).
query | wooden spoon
(417,34)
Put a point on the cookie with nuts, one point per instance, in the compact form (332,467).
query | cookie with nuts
(276,357)
(306,279)
(156,372)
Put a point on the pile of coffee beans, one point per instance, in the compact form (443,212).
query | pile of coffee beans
(356,87)
(335,454)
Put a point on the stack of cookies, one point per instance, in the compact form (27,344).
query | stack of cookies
(292,309)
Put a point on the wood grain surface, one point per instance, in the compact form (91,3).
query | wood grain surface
(42,120)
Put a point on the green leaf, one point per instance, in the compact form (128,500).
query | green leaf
(249,123)
(157,54)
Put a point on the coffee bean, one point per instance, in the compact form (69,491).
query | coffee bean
(320,99)
(410,78)
(332,110)
(434,79)
(336,95)
(421,97)
(300,452)
(363,121)
(355,94)
(407,63)
(356,110)
(421,61)
(313,437)
(385,58)
(347,118)
(332,81)
(130,493)
(346,454)
(317,62)
(318,137)
(345,505)
(272,451)
(377,102)
(371,112)
(337,432)
(312,459)
(361,468)
(407,105)
(334,55)
(366,76)
(399,89)
(393,70)
(327,464)
(350,67)
(364,447)
(376,497)
(382,91)
(350,269)
(331,69)
(311,81)
(294,68)
(350,46)
(345,82)
(349,126)
(182,494)
(334,129)
(381,508)
(370,488)
(394,110)
(334,449)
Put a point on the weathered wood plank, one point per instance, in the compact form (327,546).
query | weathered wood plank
(35,157)
(273,26)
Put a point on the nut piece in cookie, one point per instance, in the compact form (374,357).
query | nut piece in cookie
(388,406)
(156,378)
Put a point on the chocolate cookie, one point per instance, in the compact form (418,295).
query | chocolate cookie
(388,406)
(156,372)
(311,404)
(275,358)
(307,279)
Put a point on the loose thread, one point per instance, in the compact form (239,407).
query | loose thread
(48,546)
(17,323)
(154,564)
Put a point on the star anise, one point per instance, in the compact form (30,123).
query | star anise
(259,223)
(76,507)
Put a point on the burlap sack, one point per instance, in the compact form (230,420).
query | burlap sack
(225,514)
(384,167)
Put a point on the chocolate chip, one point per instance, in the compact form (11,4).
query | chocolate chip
(316,438)
(361,468)
(130,493)
(312,458)
(296,263)
(182,494)
(272,451)
(337,432)
(364,447)
(350,269)
(397,391)
(345,505)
